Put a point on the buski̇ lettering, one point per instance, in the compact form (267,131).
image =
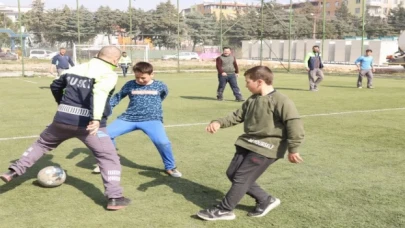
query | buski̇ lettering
(261,143)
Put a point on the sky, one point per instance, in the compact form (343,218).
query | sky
(118,4)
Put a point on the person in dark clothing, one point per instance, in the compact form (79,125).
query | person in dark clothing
(61,62)
(313,64)
(227,73)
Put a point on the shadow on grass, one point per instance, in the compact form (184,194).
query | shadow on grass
(195,193)
(339,86)
(199,98)
(90,162)
(283,88)
(200,195)
(44,87)
(87,188)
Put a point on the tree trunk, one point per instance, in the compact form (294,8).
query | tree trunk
(194,43)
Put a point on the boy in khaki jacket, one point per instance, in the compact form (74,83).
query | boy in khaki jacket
(272,126)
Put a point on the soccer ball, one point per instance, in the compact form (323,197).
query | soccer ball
(51,176)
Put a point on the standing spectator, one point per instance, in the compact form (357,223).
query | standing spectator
(125,62)
(227,73)
(313,64)
(61,62)
(365,66)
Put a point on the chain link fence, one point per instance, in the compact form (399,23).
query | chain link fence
(264,33)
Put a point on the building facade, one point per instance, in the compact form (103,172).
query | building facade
(12,11)
(229,9)
(376,8)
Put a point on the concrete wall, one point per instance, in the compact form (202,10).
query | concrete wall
(335,51)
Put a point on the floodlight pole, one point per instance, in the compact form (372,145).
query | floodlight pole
(220,22)
(261,35)
(323,25)
(362,24)
(78,21)
(289,38)
(178,37)
(130,20)
(21,39)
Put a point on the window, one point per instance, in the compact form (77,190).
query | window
(357,10)
(358,1)
(327,5)
(385,10)
(336,3)
(385,1)
(328,13)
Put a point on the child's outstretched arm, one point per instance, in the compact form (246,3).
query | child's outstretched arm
(116,98)
(232,119)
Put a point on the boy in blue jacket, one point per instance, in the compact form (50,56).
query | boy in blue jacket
(144,112)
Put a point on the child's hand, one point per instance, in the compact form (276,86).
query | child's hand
(213,127)
(295,158)
(93,127)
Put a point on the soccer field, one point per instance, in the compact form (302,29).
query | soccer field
(353,174)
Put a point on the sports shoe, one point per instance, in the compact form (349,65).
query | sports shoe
(216,213)
(8,176)
(117,203)
(240,100)
(96,170)
(265,207)
(370,87)
(359,87)
(174,172)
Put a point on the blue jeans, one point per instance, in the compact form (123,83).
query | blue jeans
(124,68)
(233,82)
(156,132)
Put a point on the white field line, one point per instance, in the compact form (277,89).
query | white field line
(199,124)
(27,81)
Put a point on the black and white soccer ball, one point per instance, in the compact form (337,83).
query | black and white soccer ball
(51,176)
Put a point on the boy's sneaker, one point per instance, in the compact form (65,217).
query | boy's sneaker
(96,170)
(117,203)
(359,87)
(174,173)
(265,207)
(216,213)
(370,87)
(240,100)
(8,176)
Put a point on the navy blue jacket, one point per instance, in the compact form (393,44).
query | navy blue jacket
(62,61)
(83,93)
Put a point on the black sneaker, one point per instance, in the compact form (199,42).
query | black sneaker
(265,207)
(118,203)
(8,176)
(216,213)
(240,100)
